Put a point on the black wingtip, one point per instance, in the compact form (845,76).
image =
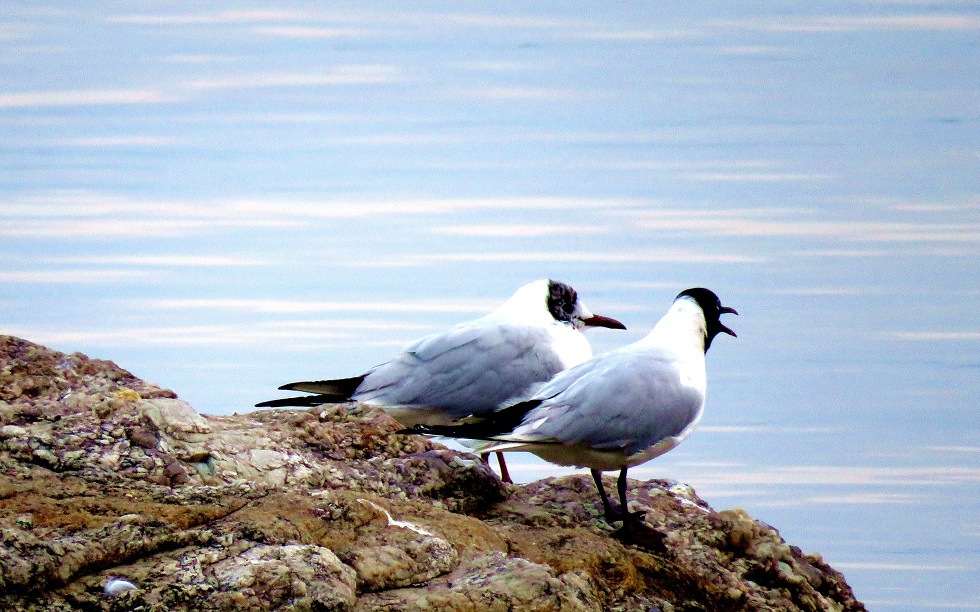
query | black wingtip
(344,387)
(301,401)
(273,404)
(433,430)
(414,430)
(489,428)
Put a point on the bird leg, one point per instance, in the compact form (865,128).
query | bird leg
(634,530)
(504,474)
(611,513)
(632,518)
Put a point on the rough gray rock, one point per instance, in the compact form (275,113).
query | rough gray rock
(116,495)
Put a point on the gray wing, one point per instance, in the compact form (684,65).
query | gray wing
(468,369)
(629,401)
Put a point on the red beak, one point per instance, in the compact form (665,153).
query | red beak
(601,321)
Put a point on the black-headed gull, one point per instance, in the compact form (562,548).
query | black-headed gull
(616,410)
(472,368)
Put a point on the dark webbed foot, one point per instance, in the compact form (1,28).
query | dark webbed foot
(615,515)
(635,531)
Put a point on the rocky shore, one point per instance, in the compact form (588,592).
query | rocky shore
(117,495)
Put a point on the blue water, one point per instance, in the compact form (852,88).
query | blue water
(223,200)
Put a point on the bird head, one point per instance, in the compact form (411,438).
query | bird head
(565,307)
(711,307)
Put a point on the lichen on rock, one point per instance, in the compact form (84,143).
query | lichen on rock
(117,495)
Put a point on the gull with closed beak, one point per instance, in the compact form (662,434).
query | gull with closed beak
(471,369)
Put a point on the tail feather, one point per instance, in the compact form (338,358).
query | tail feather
(327,392)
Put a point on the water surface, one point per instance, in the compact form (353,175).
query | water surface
(224,200)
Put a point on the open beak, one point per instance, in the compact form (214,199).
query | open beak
(727,310)
(601,321)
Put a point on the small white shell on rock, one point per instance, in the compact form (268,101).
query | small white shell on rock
(115,586)
(683,494)
(395,523)
(461,461)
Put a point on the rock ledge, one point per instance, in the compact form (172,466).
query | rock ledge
(117,495)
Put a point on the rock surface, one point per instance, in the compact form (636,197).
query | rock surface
(116,495)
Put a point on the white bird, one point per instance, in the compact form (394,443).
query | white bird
(472,368)
(616,410)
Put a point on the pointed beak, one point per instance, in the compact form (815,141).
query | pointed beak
(727,310)
(601,321)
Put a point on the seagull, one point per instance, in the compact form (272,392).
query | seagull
(472,368)
(616,410)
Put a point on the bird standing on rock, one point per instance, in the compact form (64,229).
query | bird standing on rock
(616,410)
(471,369)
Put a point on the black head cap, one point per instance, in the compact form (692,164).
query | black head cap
(562,301)
(712,308)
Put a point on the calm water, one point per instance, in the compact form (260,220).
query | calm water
(226,200)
